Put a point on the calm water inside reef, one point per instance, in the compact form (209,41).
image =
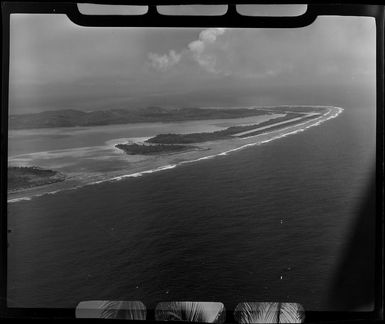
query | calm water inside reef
(266,223)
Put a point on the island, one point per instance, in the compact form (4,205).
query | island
(28,177)
(142,149)
(73,117)
(289,119)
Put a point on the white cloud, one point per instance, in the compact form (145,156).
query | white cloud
(195,50)
(198,47)
(164,62)
(210,35)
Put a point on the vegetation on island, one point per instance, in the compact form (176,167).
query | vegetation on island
(214,136)
(72,117)
(28,177)
(142,149)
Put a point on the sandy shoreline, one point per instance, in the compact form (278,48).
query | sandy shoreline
(137,167)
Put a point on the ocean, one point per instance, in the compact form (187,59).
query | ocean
(265,223)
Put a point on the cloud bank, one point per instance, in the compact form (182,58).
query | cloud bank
(165,61)
(195,50)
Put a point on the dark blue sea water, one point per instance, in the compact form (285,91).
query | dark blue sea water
(266,223)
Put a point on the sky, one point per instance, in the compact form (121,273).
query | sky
(55,64)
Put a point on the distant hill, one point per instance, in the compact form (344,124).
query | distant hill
(71,117)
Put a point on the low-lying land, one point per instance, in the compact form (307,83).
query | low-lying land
(230,132)
(142,149)
(72,117)
(173,143)
(28,177)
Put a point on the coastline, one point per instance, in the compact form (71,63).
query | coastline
(170,161)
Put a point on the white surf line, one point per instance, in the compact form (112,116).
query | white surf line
(44,194)
(268,126)
(265,141)
(135,175)
(314,122)
(18,199)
